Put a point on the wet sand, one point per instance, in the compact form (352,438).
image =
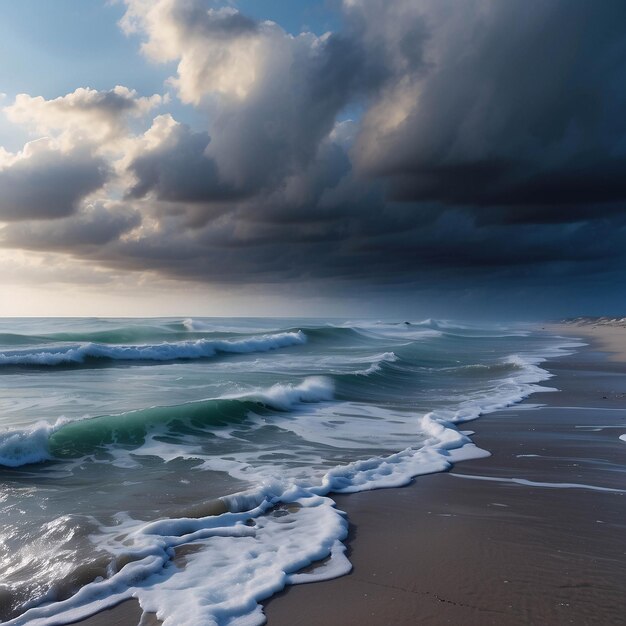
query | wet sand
(452,549)
(534,534)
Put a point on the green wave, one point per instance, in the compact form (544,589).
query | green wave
(129,430)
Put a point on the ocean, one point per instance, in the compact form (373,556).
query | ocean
(191,463)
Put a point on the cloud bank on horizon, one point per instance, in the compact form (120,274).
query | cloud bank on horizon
(488,144)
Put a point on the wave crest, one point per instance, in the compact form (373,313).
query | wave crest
(75,438)
(28,445)
(375,366)
(167,351)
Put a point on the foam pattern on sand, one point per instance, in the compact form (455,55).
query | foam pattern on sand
(252,551)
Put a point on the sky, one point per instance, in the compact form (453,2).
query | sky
(415,158)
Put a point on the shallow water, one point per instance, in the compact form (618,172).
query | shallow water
(123,440)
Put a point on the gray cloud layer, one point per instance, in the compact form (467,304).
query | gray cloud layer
(492,141)
(521,111)
(49,184)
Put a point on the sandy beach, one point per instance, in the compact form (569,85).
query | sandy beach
(608,337)
(533,534)
(472,547)
(310,312)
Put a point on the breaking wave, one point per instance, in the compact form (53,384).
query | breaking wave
(71,439)
(180,350)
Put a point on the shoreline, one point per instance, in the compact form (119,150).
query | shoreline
(470,546)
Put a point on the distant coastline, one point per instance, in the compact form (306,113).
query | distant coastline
(606,333)
(589,320)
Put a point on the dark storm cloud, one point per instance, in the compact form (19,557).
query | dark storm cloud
(91,228)
(490,145)
(178,170)
(523,110)
(49,184)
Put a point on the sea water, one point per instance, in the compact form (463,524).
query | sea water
(191,463)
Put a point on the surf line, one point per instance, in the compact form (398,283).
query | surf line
(532,483)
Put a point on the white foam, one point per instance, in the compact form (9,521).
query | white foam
(286,362)
(376,362)
(250,555)
(253,551)
(337,565)
(623,437)
(31,445)
(354,426)
(531,483)
(418,329)
(167,351)
(27,445)
(193,325)
(397,332)
(285,396)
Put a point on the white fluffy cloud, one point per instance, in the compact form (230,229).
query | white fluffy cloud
(271,98)
(219,51)
(83,116)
